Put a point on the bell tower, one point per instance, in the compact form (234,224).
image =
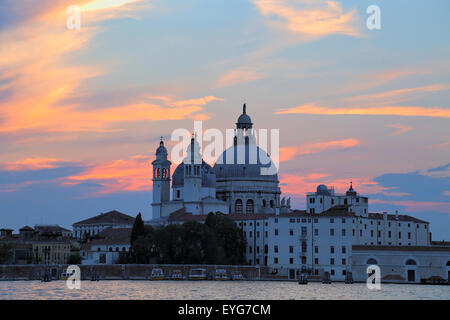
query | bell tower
(161,180)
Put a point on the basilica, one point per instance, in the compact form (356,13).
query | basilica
(236,184)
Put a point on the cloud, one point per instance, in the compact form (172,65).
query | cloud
(397,96)
(401,128)
(33,164)
(405,111)
(298,184)
(236,76)
(417,206)
(289,153)
(116,176)
(40,84)
(311,19)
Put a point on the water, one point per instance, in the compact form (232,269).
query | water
(228,290)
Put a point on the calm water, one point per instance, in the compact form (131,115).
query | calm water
(214,290)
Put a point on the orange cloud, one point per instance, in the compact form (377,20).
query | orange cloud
(418,206)
(300,185)
(406,111)
(237,76)
(289,153)
(401,128)
(37,71)
(396,96)
(311,19)
(32,164)
(134,174)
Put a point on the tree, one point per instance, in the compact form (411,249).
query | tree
(138,229)
(74,258)
(6,253)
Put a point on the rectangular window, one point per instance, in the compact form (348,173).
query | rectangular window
(343,232)
(331,249)
(316,249)
(331,232)
(304,246)
(316,232)
(344,262)
(332,261)
(291,249)
(291,232)
(276,232)
(316,261)
(275,249)
(291,260)
(344,249)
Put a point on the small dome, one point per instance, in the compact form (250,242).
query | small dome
(323,189)
(207,173)
(161,149)
(244,120)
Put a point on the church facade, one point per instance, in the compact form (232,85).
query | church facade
(236,183)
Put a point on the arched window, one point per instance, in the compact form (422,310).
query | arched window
(372,261)
(238,206)
(410,262)
(249,207)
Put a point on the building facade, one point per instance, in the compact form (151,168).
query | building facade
(95,225)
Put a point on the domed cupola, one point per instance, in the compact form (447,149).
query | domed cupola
(351,191)
(161,155)
(244,120)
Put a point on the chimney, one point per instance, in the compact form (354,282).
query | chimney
(385,216)
(396,214)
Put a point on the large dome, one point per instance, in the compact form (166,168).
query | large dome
(239,167)
(207,173)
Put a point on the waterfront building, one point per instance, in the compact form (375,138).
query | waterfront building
(107,246)
(43,244)
(412,264)
(95,225)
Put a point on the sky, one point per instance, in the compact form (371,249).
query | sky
(82,110)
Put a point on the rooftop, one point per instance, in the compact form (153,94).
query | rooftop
(113,236)
(111,217)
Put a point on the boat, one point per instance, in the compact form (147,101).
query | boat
(157,274)
(303,279)
(197,274)
(237,276)
(177,275)
(221,274)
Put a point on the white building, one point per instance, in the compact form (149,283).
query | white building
(95,225)
(107,247)
(193,185)
(317,241)
(403,264)
(325,198)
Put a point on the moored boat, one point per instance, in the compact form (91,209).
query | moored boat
(197,274)
(177,275)
(157,274)
(221,274)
